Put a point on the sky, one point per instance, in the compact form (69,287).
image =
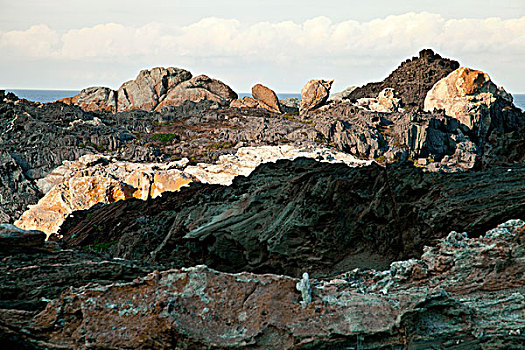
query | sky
(70,45)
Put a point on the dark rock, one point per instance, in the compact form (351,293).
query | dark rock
(412,79)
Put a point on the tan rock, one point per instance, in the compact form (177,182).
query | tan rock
(314,94)
(94,99)
(267,97)
(198,89)
(385,102)
(245,102)
(467,95)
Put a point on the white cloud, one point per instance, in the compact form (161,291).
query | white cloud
(314,41)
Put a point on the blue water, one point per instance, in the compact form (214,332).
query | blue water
(53,95)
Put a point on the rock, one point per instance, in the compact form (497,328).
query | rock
(94,99)
(290,105)
(149,88)
(314,94)
(245,102)
(385,102)
(13,238)
(152,90)
(412,79)
(339,96)
(471,97)
(198,89)
(267,97)
(295,216)
(96,179)
(454,295)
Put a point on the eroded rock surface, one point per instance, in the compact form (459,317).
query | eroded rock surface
(462,293)
(412,79)
(289,216)
(314,94)
(152,90)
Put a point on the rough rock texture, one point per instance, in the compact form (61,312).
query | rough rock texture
(412,79)
(385,102)
(94,99)
(339,96)
(462,293)
(314,94)
(472,98)
(287,217)
(97,179)
(152,90)
(267,96)
(198,89)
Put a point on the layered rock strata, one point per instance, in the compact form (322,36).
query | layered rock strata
(290,216)
(96,179)
(463,292)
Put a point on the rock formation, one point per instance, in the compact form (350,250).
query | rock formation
(152,90)
(295,216)
(96,179)
(314,94)
(472,98)
(263,97)
(412,79)
(462,291)
(385,102)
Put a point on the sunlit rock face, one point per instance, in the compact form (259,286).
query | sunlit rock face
(152,90)
(95,179)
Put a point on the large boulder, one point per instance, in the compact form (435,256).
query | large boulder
(472,98)
(314,94)
(267,96)
(149,88)
(198,89)
(412,79)
(94,99)
(386,102)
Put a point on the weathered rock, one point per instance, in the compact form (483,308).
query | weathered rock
(149,88)
(154,89)
(463,292)
(198,89)
(412,79)
(245,102)
(288,217)
(385,102)
(290,105)
(96,179)
(314,94)
(472,98)
(94,99)
(339,96)
(267,96)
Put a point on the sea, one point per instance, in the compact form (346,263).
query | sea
(53,95)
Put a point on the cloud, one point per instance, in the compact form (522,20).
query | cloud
(317,41)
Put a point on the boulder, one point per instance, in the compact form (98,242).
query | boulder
(198,89)
(314,94)
(267,97)
(149,88)
(94,99)
(245,102)
(471,97)
(339,96)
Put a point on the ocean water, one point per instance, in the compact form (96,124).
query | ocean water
(53,95)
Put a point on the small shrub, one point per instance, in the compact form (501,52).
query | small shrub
(164,137)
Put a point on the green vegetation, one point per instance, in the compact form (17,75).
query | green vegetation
(164,137)
(290,117)
(380,159)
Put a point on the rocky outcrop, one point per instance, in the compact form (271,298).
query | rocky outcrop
(385,102)
(96,179)
(472,98)
(94,99)
(339,96)
(314,94)
(287,217)
(197,89)
(152,90)
(412,79)
(263,97)
(453,296)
